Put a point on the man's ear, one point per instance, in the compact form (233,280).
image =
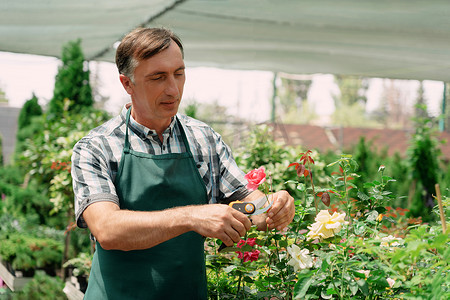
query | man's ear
(126,83)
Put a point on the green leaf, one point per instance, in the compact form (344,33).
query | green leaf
(301,287)
(283,243)
(368,185)
(301,187)
(380,209)
(325,295)
(325,264)
(363,287)
(353,287)
(362,196)
(332,164)
(230,249)
(372,216)
(360,228)
(229,268)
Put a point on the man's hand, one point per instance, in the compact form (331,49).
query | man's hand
(282,211)
(219,221)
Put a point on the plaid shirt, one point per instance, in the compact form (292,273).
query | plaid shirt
(96,158)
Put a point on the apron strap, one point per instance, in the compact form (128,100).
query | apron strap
(183,135)
(126,147)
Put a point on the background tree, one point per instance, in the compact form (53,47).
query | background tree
(1,151)
(30,109)
(293,99)
(72,87)
(30,124)
(393,110)
(447,107)
(350,105)
(3,99)
(423,156)
(421,103)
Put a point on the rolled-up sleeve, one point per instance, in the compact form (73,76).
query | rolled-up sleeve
(91,177)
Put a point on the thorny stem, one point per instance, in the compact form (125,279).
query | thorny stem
(239,283)
(346,196)
(289,289)
(333,282)
(312,186)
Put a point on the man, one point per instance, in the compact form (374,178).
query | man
(148,183)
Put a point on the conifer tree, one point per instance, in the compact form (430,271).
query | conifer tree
(72,88)
(30,109)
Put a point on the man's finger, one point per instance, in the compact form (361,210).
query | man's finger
(243,219)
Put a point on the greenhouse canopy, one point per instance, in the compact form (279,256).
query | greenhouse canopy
(405,39)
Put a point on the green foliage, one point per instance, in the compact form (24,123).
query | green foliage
(81,264)
(42,287)
(54,144)
(293,100)
(26,201)
(29,132)
(350,104)
(423,156)
(372,255)
(26,252)
(191,110)
(1,150)
(72,88)
(30,109)
(261,150)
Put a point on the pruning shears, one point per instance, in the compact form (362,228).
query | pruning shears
(250,209)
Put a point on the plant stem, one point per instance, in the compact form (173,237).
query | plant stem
(344,264)
(316,205)
(239,283)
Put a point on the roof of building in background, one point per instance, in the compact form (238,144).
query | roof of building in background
(341,139)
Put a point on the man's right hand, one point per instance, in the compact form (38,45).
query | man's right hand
(219,221)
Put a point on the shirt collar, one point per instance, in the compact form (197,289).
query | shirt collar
(141,130)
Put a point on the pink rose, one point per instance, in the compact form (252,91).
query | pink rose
(255,178)
(240,244)
(251,242)
(251,256)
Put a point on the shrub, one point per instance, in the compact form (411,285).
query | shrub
(26,252)
(42,287)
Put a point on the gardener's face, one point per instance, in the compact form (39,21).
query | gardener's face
(158,87)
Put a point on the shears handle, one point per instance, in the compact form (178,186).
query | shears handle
(244,207)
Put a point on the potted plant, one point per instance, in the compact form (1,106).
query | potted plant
(80,268)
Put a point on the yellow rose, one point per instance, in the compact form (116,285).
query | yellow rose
(326,225)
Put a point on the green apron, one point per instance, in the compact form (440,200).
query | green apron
(174,269)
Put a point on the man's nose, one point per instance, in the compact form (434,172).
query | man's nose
(172,87)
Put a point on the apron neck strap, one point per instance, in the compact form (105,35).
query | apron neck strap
(127,142)
(178,122)
(183,135)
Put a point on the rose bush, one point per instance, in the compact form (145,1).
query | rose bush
(347,246)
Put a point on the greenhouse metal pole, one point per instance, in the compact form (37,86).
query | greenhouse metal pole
(274,97)
(442,120)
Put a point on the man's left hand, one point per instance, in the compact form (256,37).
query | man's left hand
(282,211)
